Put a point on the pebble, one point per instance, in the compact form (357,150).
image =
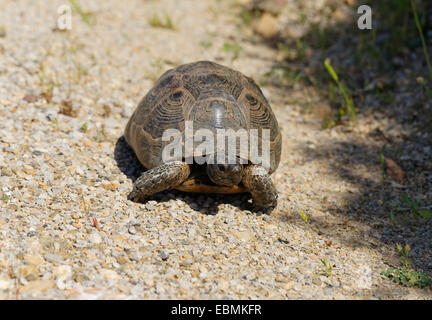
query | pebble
(4,284)
(267,26)
(150,206)
(34,259)
(164,256)
(244,235)
(95,238)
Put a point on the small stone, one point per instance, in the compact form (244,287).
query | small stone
(150,206)
(31,234)
(164,256)
(297,287)
(29,272)
(35,259)
(393,171)
(186,263)
(4,284)
(267,26)
(126,112)
(53,258)
(30,98)
(132,230)
(149,282)
(122,260)
(244,235)
(38,285)
(109,274)
(95,238)
(62,271)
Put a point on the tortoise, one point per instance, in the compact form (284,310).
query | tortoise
(213,97)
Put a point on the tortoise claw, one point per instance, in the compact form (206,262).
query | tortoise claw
(261,188)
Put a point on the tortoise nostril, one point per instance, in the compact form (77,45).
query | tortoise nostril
(221,167)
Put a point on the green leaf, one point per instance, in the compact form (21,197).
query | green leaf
(330,70)
(381,159)
(405,199)
(426,214)
(392,217)
(414,204)
(303,215)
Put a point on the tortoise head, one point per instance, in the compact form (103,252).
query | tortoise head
(225,174)
(215,110)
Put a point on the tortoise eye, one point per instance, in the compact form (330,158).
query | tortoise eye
(251,99)
(177,95)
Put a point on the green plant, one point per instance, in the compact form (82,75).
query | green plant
(421,81)
(157,22)
(304,216)
(328,123)
(320,37)
(235,48)
(84,128)
(47,87)
(408,278)
(300,49)
(46,84)
(56,123)
(404,252)
(405,275)
(206,44)
(349,105)
(100,134)
(327,270)
(332,91)
(382,162)
(5,198)
(306,221)
(246,17)
(86,16)
(420,31)
(411,205)
(80,72)
(86,210)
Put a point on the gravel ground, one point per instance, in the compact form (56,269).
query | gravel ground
(65,98)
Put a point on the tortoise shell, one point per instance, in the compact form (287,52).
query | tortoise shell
(213,97)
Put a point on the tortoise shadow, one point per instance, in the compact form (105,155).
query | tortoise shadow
(129,165)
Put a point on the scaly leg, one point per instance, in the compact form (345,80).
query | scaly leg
(258,182)
(163,177)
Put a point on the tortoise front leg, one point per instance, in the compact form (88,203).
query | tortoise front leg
(163,177)
(261,187)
